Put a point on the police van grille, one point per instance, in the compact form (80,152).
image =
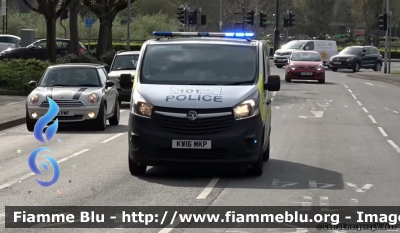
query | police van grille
(199,126)
(64,103)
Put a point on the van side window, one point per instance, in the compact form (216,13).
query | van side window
(309,46)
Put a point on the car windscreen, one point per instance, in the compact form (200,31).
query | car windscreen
(199,64)
(125,62)
(305,57)
(351,51)
(293,45)
(70,77)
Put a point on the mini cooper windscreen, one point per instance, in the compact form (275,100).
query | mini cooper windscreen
(199,64)
(70,77)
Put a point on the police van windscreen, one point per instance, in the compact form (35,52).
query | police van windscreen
(199,64)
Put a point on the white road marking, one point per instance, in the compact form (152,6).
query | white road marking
(346,86)
(301,230)
(346,106)
(359,103)
(365,110)
(276,182)
(31,174)
(312,184)
(273,93)
(323,201)
(395,111)
(372,119)
(306,203)
(394,145)
(112,138)
(360,190)
(369,84)
(349,90)
(207,190)
(14,103)
(354,202)
(382,132)
(354,96)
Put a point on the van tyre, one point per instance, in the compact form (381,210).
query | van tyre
(334,69)
(101,120)
(30,124)
(267,152)
(356,67)
(279,66)
(136,169)
(378,67)
(114,120)
(257,168)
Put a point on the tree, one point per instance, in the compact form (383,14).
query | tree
(74,8)
(366,13)
(317,14)
(48,8)
(106,11)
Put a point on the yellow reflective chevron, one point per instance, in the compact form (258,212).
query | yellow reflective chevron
(260,86)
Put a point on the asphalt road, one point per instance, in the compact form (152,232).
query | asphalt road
(332,144)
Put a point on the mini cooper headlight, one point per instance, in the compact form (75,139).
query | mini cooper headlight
(33,99)
(93,98)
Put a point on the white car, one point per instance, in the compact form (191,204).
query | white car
(9,41)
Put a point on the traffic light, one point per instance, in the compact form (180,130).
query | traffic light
(291,19)
(250,17)
(263,20)
(181,14)
(203,20)
(64,15)
(193,17)
(383,22)
(285,22)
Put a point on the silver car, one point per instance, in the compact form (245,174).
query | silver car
(83,92)
(124,63)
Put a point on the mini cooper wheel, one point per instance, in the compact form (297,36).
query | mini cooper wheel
(101,121)
(114,120)
(30,124)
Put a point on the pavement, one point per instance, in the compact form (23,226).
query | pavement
(332,144)
(12,111)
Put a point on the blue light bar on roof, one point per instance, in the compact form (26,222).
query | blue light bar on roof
(207,34)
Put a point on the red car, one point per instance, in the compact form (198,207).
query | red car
(305,65)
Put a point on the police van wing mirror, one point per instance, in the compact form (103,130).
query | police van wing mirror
(125,81)
(274,83)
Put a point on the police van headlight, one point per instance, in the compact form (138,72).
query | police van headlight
(248,108)
(140,106)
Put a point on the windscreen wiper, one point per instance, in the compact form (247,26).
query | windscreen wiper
(126,68)
(59,85)
(87,85)
(239,83)
(203,84)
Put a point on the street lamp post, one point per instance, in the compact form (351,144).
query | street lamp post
(128,39)
(276,30)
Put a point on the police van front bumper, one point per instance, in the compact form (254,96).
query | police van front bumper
(232,141)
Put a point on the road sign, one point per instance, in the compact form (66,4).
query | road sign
(3,7)
(89,22)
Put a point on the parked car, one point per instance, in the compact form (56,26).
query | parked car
(9,41)
(357,57)
(124,63)
(38,50)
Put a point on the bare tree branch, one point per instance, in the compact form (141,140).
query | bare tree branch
(63,7)
(31,7)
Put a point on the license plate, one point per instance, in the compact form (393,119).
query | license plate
(306,73)
(282,60)
(191,144)
(337,63)
(65,113)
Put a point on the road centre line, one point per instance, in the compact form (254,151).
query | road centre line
(359,103)
(350,91)
(394,145)
(372,119)
(14,103)
(31,174)
(365,110)
(207,190)
(382,132)
(354,96)
(112,138)
(346,86)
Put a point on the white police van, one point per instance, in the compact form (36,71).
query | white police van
(202,99)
